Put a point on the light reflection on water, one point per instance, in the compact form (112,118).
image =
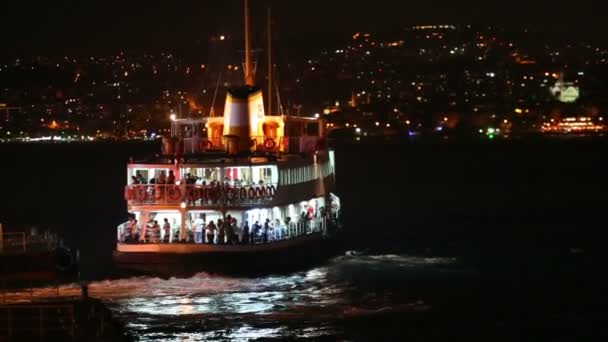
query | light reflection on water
(307,304)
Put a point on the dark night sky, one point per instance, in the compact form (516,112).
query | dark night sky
(92,25)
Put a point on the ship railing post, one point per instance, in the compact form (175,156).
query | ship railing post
(41,323)
(72,321)
(9,323)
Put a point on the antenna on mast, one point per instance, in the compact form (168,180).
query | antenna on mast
(249,79)
(217,87)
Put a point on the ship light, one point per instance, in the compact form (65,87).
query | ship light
(183,205)
(173,117)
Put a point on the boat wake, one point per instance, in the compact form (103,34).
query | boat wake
(313,303)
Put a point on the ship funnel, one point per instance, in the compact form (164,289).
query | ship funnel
(243,118)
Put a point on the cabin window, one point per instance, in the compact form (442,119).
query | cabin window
(144,173)
(148,175)
(207,175)
(312,129)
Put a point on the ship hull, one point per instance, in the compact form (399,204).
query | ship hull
(169,260)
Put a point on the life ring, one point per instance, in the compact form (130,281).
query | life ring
(230,194)
(140,194)
(243,194)
(272,190)
(259,192)
(206,145)
(251,193)
(64,259)
(209,194)
(213,194)
(193,194)
(174,193)
(129,194)
(270,144)
(158,193)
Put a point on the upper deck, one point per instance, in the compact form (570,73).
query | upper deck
(218,181)
(274,134)
(242,159)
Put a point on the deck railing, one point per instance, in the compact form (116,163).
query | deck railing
(276,233)
(200,195)
(50,322)
(20,242)
(194,145)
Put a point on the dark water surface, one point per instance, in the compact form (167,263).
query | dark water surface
(466,241)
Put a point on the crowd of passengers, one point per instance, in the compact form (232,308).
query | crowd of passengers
(163,178)
(220,232)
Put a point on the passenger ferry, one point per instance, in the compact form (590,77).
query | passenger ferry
(245,191)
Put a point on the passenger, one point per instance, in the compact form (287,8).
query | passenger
(234,228)
(141,178)
(210,232)
(245,234)
(230,227)
(266,231)
(167,230)
(303,223)
(162,179)
(171,178)
(288,227)
(131,231)
(271,232)
(278,233)
(204,197)
(199,226)
(144,232)
(256,232)
(231,237)
(134,180)
(221,228)
(155,233)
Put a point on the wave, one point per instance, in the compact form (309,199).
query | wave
(405,260)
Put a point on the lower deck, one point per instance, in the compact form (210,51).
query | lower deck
(193,248)
(172,229)
(185,260)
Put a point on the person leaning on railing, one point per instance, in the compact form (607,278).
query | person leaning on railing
(210,232)
(167,231)
(245,234)
(142,179)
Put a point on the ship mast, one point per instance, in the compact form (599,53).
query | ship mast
(249,79)
(269,63)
